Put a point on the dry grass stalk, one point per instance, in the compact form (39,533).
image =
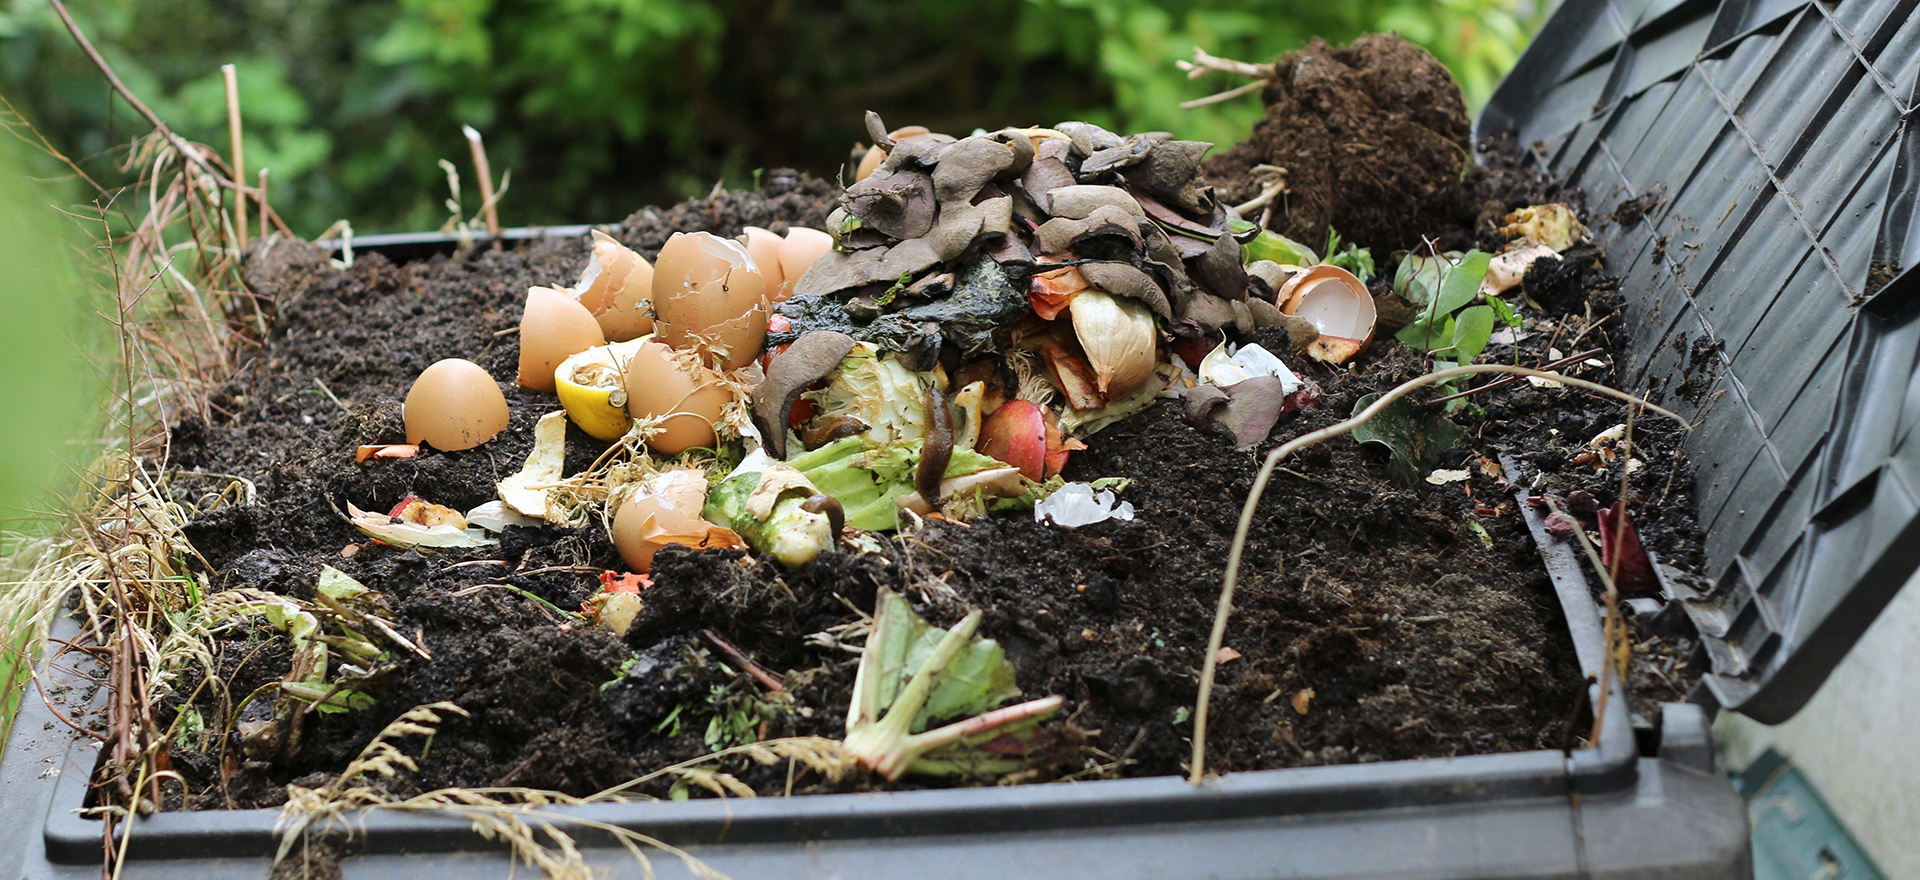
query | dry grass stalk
(238,150)
(522,818)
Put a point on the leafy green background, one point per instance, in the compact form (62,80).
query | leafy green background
(600,106)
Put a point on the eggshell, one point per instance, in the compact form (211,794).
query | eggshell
(617,287)
(798,251)
(702,282)
(667,512)
(764,247)
(1338,305)
(553,328)
(454,404)
(688,400)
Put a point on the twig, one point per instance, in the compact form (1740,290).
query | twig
(1512,379)
(1203,63)
(740,659)
(485,171)
(239,151)
(264,210)
(179,143)
(1265,197)
(1225,607)
(1227,95)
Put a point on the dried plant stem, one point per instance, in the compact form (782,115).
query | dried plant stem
(1228,95)
(485,171)
(238,151)
(740,660)
(264,210)
(1204,63)
(1511,379)
(1197,772)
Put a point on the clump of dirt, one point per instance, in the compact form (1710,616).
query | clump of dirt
(1376,621)
(1373,137)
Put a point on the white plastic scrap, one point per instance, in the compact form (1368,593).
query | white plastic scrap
(1079,504)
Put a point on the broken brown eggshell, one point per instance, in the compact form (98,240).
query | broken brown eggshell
(1338,305)
(617,287)
(708,295)
(764,246)
(798,252)
(454,405)
(553,327)
(684,398)
(666,512)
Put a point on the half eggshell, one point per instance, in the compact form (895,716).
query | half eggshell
(1337,305)
(453,405)
(685,399)
(553,328)
(666,512)
(617,287)
(798,251)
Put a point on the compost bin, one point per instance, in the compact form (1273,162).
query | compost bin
(1755,164)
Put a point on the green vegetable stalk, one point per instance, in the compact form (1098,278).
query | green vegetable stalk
(915,674)
(766,503)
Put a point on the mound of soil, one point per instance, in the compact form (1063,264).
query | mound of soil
(1373,137)
(1376,621)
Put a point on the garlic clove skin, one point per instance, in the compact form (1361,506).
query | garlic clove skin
(553,327)
(1119,339)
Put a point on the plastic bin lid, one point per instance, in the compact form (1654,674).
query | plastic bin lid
(1753,175)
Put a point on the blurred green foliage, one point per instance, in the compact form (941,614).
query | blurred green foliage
(599,106)
(50,396)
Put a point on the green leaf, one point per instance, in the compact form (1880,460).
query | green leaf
(1413,435)
(1270,245)
(1439,287)
(1504,311)
(1471,330)
(974,683)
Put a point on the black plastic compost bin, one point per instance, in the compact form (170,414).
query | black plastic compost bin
(1756,162)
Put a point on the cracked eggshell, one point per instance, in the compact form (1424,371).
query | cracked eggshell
(617,287)
(553,328)
(1338,305)
(798,251)
(686,399)
(453,405)
(764,247)
(666,512)
(703,286)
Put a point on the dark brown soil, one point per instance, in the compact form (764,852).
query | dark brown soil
(1373,137)
(1418,617)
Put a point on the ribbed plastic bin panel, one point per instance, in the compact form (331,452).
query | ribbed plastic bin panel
(1768,147)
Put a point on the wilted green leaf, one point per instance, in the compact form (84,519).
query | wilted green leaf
(1414,435)
(1270,245)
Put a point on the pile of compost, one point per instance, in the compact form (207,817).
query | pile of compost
(1377,618)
